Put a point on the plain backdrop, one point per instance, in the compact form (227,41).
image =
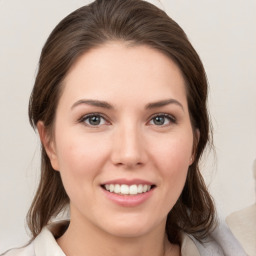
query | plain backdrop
(224,35)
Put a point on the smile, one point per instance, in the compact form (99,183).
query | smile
(124,189)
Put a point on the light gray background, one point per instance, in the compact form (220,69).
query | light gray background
(223,33)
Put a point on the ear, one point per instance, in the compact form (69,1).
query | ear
(48,144)
(195,143)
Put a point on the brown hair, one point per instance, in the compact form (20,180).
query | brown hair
(138,23)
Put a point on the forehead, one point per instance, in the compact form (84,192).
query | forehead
(117,70)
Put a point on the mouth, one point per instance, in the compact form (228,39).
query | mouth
(124,189)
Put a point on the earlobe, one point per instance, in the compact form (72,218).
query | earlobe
(48,144)
(191,160)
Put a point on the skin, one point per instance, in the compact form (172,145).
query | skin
(127,143)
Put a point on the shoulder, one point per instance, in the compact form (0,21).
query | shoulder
(188,246)
(218,243)
(23,251)
(44,244)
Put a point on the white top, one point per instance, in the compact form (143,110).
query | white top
(220,243)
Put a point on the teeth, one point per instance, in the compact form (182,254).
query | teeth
(117,188)
(111,188)
(140,189)
(133,190)
(124,189)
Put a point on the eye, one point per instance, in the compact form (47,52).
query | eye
(93,120)
(162,120)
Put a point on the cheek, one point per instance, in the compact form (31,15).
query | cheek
(79,153)
(174,154)
(80,161)
(172,159)
(176,172)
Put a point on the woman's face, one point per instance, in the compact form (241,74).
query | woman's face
(123,139)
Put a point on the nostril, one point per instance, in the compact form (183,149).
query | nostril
(128,149)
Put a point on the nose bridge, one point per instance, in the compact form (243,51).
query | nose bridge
(128,149)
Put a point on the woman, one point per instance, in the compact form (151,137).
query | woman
(119,103)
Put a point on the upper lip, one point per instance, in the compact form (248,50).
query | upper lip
(128,182)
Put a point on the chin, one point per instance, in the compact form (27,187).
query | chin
(128,232)
(133,227)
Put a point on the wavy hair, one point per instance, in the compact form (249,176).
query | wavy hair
(138,23)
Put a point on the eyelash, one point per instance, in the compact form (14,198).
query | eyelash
(87,117)
(171,118)
(84,118)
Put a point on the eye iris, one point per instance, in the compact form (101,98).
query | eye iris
(159,120)
(94,120)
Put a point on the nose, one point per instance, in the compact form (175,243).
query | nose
(128,149)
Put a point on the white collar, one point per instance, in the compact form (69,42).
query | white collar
(45,243)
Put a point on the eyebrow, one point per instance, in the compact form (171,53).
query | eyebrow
(104,104)
(96,103)
(163,103)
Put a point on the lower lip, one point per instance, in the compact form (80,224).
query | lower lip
(128,200)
